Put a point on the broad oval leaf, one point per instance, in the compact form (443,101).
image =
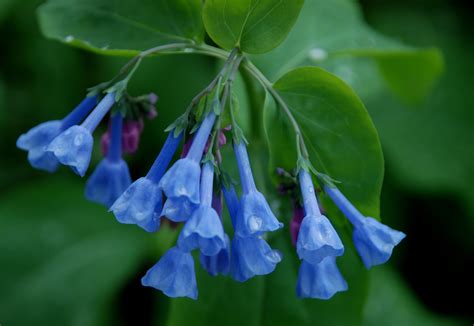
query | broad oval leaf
(334,35)
(340,136)
(121,27)
(255,26)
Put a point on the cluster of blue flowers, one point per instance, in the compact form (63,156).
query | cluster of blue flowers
(190,192)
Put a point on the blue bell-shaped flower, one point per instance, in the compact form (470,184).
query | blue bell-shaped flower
(254,215)
(37,139)
(111,177)
(173,274)
(317,238)
(320,281)
(181,181)
(204,229)
(252,256)
(141,203)
(73,147)
(373,240)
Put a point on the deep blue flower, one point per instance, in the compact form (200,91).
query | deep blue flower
(204,229)
(37,139)
(317,238)
(181,182)
(218,264)
(141,203)
(254,215)
(252,256)
(73,147)
(173,274)
(320,281)
(232,202)
(373,240)
(111,177)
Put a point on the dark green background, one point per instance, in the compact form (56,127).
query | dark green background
(65,261)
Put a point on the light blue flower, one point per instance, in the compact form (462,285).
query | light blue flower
(252,256)
(141,203)
(178,209)
(317,238)
(111,177)
(73,147)
(320,281)
(254,215)
(37,139)
(182,179)
(173,274)
(204,229)
(218,264)
(373,240)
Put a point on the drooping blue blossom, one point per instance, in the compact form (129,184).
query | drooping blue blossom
(73,147)
(181,182)
(37,139)
(204,229)
(320,281)
(173,274)
(111,177)
(218,264)
(254,215)
(317,238)
(252,256)
(373,240)
(141,203)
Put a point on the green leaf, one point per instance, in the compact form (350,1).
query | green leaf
(255,26)
(341,139)
(64,260)
(121,27)
(328,33)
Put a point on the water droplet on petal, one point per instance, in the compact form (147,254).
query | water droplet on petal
(78,140)
(255,223)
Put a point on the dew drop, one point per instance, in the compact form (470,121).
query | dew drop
(69,38)
(255,223)
(317,54)
(78,140)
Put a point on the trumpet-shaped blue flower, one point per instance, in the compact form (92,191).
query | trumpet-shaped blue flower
(373,240)
(204,229)
(37,139)
(141,203)
(320,281)
(252,256)
(317,238)
(73,147)
(218,264)
(181,182)
(111,177)
(254,215)
(173,275)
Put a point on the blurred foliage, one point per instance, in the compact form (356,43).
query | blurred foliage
(67,262)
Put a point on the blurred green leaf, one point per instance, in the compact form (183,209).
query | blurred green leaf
(389,291)
(5,7)
(256,26)
(341,139)
(63,260)
(121,27)
(332,30)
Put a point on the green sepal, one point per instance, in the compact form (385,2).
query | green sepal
(119,88)
(179,125)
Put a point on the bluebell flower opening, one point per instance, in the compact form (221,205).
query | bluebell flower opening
(218,264)
(320,281)
(173,274)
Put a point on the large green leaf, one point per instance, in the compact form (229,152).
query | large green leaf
(63,260)
(338,131)
(121,27)
(329,32)
(256,26)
